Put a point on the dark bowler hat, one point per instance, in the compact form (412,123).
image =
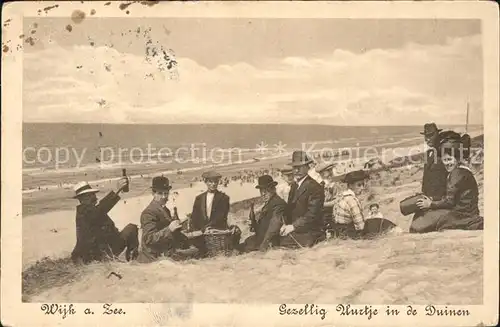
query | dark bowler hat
(430,128)
(355,176)
(161,183)
(299,158)
(211,175)
(266,181)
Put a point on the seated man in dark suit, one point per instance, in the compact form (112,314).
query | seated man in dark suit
(270,218)
(97,237)
(210,211)
(161,234)
(304,219)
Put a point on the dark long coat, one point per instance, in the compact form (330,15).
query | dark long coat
(96,234)
(305,212)
(269,222)
(458,209)
(434,179)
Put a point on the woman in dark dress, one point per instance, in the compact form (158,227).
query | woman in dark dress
(458,209)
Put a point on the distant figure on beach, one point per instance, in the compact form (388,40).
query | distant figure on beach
(97,237)
(434,178)
(269,219)
(283,188)
(161,234)
(458,209)
(210,210)
(349,220)
(304,213)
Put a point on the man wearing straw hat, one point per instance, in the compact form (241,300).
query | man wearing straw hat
(211,209)
(97,237)
(161,233)
(304,222)
(270,217)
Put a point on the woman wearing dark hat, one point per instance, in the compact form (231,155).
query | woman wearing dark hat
(458,209)
(269,218)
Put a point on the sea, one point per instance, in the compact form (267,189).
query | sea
(67,145)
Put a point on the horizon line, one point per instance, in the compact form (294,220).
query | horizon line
(240,123)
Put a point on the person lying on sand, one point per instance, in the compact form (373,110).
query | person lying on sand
(458,209)
(161,235)
(210,210)
(304,213)
(269,218)
(97,237)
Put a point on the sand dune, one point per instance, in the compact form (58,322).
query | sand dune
(400,268)
(56,230)
(405,269)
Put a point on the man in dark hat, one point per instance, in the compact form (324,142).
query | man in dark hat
(435,174)
(349,220)
(97,237)
(161,234)
(304,213)
(270,217)
(210,210)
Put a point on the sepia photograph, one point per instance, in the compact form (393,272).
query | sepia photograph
(243,154)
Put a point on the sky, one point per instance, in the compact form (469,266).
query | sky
(310,71)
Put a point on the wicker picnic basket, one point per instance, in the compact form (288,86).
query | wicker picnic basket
(218,242)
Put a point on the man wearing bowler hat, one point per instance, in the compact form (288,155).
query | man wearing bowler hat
(97,237)
(161,234)
(304,213)
(211,209)
(270,217)
(435,174)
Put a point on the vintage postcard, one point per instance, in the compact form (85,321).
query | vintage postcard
(250,163)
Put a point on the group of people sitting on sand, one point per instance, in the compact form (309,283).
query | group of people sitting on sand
(298,213)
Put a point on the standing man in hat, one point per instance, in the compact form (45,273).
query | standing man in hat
(270,217)
(304,223)
(161,233)
(97,237)
(349,220)
(283,189)
(211,209)
(435,174)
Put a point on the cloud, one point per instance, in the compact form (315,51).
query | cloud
(403,86)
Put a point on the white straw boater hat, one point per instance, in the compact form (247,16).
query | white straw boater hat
(82,188)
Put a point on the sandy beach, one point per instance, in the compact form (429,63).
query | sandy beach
(48,215)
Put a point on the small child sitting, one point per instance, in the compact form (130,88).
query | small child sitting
(374,211)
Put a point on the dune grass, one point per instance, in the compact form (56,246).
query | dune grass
(394,269)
